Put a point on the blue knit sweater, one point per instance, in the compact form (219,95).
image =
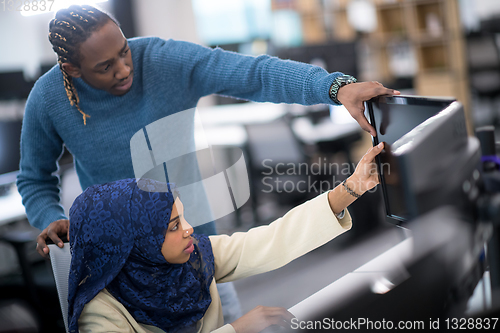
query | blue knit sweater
(169,76)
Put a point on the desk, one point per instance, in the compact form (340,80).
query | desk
(371,275)
(11,207)
(328,136)
(241,114)
(229,125)
(226,135)
(224,124)
(325,131)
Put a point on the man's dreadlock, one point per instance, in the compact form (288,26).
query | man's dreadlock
(67,31)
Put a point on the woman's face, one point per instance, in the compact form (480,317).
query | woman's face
(106,61)
(178,244)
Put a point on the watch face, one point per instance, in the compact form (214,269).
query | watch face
(347,79)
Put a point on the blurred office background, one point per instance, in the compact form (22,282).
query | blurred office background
(422,47)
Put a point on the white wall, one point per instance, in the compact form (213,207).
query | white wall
(166,19)
(487,8)
(473,11)
(24,43)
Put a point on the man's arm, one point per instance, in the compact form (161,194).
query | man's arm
(263,78)
(40,150)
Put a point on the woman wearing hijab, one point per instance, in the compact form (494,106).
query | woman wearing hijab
(137,266)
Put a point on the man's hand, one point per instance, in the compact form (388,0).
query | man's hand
(262,317)
(353,96)
(55,230)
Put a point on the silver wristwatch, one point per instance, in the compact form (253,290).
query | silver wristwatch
(338,83)
(340,215)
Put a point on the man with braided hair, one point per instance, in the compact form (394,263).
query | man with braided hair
(112,87)
(83,23)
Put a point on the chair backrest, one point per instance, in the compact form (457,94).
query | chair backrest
(60,259)
(484,64)
(274,142)
(483,52)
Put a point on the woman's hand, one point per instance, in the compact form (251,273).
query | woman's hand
(353,96)
(365,177)
(262,317)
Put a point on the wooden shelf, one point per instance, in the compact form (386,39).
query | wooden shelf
(282,4)
(383,4)
(341,29)
(433,57)
(391,21)
(313,29)
(431,28)
(309,6)
(428,20)
(338,4)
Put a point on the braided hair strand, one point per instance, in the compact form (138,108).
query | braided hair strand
(67,31)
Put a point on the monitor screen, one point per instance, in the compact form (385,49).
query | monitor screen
(14,86)
(333,56)
(10,136)
(393,117)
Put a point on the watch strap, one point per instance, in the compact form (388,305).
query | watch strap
(338,83)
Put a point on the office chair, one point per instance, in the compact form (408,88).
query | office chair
(273,146)
(35,286)
(60,259)
(484,67)
(17,316)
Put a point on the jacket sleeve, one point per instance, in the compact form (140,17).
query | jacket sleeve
(264,78)
(228,328)
(105,314)
(41,147)
(265,248)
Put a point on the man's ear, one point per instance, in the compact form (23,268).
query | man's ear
(71,69)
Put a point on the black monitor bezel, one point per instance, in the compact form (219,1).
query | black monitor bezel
(11,137)
(400,100)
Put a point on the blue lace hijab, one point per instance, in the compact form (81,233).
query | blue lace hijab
(116,234)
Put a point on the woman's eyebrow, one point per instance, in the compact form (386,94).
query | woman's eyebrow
(174,218)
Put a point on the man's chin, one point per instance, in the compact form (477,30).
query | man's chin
(119,93)
(122,90)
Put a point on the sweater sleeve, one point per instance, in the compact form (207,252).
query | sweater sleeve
(41,147)
(262,79)
(269,247)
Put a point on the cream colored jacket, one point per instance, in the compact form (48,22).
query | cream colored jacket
(242,254)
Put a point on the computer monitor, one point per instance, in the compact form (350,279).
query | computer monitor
(437,164)
(393,117)
(334,56)
(10,136)
(437,171)
(13,86)
(422,279)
